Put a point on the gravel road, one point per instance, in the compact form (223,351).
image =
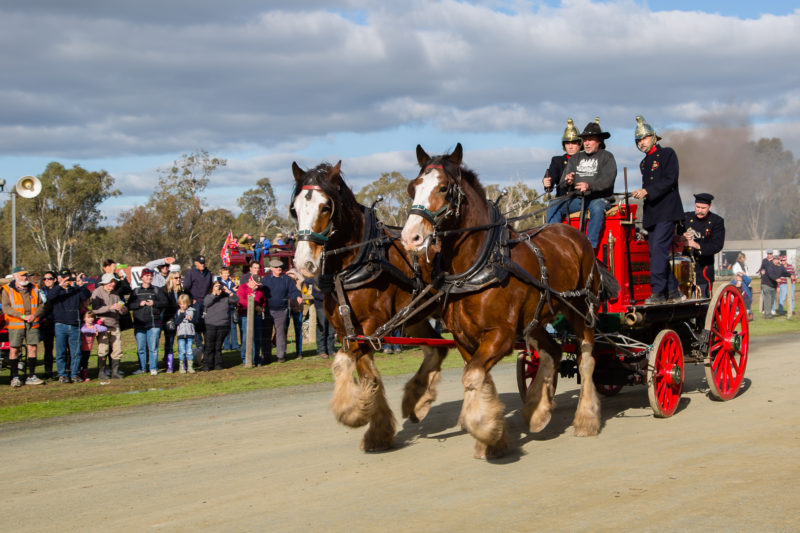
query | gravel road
(277,461)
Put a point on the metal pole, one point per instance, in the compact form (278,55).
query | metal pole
(13,229)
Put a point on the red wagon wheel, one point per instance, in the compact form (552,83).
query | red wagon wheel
(728,341)
(665,373)
(527,367)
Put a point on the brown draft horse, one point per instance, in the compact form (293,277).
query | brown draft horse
(329,218)
(485,324)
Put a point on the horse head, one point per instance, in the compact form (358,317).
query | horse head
(315,207)
(437,195)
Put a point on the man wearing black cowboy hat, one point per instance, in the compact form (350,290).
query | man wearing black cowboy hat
(591,174)
(662,209)
(705,236)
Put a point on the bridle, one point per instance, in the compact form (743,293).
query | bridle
(310,235)
(455,193)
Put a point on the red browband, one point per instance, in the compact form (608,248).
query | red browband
(434,166)
(312,188)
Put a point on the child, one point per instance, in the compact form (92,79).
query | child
(184,331)
(89,332)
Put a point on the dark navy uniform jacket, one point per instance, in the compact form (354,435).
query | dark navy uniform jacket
(710,235)
(660,180)
(556,170)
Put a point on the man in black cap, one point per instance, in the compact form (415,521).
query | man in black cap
(662,209)
(197,283)
(67,298)
(705,236)
(591,174)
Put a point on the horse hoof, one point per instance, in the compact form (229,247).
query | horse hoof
(374,446)
(587,431)
(539,422)
(495,451)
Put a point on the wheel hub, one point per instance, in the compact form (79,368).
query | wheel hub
(673,375)
(732,342)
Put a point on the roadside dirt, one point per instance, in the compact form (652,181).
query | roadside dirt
(276,460)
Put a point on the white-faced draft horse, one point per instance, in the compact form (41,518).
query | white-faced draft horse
(370,277)
(500,288)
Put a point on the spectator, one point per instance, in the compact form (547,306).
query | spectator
(326,334)
(279,240)
(89,332)
(184,330)
(296,313)
(146,303)
(108,306)
(290,240)
(742,281)
(173,289)
(770,273)
(764,262)
(198,283)
(217,305)
(232,339)
(261,248)
(783,286)
(46,325)
(122,288)
(246,288)
(160,268)
(67,298)
(278,289)
(23,308)
(254,269)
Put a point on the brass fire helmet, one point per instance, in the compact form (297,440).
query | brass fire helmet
(571,133)
(643,129)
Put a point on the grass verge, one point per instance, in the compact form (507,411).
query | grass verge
(54,399)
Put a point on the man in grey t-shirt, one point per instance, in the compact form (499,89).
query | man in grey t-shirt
(590,173)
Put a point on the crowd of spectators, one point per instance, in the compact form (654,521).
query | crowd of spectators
(188,318)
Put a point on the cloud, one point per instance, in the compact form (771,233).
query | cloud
(265,84)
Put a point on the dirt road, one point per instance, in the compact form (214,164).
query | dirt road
(277,461)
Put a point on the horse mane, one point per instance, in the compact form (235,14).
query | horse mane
(337,190)
(468,175)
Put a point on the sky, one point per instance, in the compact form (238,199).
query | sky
(128,87)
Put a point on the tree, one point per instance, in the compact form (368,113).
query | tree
(259,203)
(393,210)
(174,220)
(518,200)
(62,219)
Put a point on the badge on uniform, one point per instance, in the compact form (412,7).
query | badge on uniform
(655,165)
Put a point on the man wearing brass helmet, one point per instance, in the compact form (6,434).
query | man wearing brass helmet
(591,174)
(662,209)
(571,143)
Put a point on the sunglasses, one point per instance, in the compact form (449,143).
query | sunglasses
(48,279)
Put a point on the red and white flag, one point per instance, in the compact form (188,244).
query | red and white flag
(225,253)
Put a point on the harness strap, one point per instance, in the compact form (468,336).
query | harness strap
(344,311)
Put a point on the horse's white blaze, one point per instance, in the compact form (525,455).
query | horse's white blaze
(414,231)
(307,209)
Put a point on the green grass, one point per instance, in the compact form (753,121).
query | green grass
(55,399)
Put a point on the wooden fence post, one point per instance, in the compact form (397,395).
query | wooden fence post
(251,326)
